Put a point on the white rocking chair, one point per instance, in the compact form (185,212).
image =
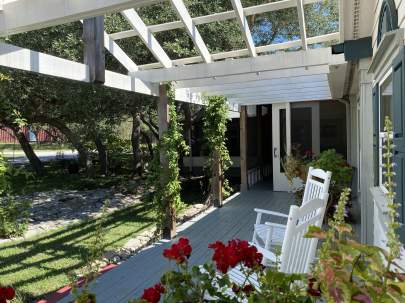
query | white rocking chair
(297,252)
(267,234)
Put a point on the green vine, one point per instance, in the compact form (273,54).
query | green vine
(215,125)
(166,180)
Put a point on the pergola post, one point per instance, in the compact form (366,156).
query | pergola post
(259,138)
(94,57)
(216,183)
(169,227)
(243,149)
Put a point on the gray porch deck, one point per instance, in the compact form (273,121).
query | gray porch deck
(234,220)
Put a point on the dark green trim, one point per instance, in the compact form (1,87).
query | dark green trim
(376,132)
(398,70)
(388,9)
(355,49)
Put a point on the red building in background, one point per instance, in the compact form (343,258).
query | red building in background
(41,136)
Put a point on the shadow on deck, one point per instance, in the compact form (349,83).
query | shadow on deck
(234,220)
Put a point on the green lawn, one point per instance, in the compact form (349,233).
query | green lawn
(36,146)
(40,265)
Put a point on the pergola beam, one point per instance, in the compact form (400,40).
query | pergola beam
(301,20)
(242,66)
(245,52)
(253,101)
(243,23)
(26,15)
(217,17)
(277,76)
(24,59)
(147,37)
(192,30)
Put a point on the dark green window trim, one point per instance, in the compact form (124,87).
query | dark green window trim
(388,20)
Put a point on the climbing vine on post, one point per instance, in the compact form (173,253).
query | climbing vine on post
(165,173)
(215,125)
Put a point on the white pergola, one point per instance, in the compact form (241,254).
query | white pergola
(292,71)
(253,75)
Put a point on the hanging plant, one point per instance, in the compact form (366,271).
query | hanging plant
(215,126)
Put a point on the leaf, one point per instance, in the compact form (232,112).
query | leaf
(315,232)
(362,298)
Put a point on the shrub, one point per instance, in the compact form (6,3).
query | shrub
(13,216)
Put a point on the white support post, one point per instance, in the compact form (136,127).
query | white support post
(341,20)
(301,19)
(192,29)
(243,23)
(147,37)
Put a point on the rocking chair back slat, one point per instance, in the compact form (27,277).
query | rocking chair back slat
(297,252)
(317,185)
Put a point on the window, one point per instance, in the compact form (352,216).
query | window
(385,110)
(388,19)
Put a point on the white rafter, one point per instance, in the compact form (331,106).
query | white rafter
(243,23)
(217,17)
(301,20)
(192,29)
(147,37)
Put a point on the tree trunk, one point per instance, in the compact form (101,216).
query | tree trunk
(148,142)
(29,152)
(136,140)
(102,155)
(70,135)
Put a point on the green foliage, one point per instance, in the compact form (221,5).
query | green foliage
(215,126)
(166,179)
(350,271)
(331,161)
(13,213)
(13,216)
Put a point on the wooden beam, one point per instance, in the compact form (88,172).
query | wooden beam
(243,23)
(216,182)
(217,17)
(94,56)
(119,54)
(26,15)
(241,66)
(192,30)
(259,129)
(147,37)
(243,149)
(301,20)
(169,228)
(32,61)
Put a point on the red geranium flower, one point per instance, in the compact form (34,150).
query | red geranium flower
(235,252)
(152,294)
(6,293)
(179,252)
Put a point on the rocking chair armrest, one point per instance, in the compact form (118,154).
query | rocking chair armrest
(272,213)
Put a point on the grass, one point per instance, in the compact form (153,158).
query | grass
(40,265)
(36,146)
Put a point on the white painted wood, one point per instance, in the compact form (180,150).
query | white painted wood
(267,234)
(280,182)
(147,37)
(245,52)
(341,4)
(26,15)
(119,54)
(192,29)
(217,17)
(28,60)
(243,23)
(295,75)
(297,252)
(280,99)
(301,20)
(279,61)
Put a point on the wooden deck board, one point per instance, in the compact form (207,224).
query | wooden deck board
(233,220)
